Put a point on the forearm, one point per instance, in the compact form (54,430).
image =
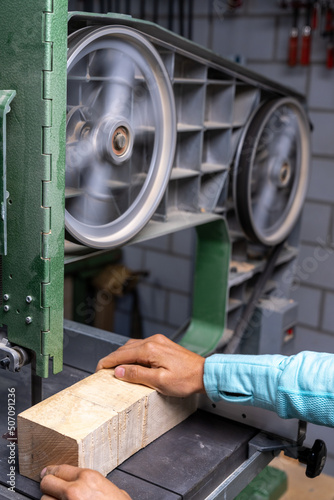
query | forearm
(300,386)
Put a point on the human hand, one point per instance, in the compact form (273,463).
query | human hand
(158,363)
(65,482)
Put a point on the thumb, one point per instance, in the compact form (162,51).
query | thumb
(138,375)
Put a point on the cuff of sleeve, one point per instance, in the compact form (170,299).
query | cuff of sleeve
(243,379)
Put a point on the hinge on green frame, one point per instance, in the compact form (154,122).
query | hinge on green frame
(48,6)
(51,253)
(45,195)
(6,96)
(47,154)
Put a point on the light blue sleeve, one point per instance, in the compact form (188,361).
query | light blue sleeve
(299,386)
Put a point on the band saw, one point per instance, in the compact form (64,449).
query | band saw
(115,131)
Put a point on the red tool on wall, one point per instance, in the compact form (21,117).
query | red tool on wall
(315,16)
(293,54)
(293,41)
(330,53)
(328,17)
(306,36)
(329,34)
(319,17)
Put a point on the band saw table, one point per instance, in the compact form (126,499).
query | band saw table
(207,456)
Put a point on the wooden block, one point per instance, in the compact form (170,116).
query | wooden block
(165,413)
(97,423)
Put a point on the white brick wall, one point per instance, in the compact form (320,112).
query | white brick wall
(165,295)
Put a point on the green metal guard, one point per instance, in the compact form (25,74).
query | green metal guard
(210,288)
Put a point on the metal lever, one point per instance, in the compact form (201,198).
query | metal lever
(314,458)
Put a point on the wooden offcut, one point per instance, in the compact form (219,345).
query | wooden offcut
(97,423)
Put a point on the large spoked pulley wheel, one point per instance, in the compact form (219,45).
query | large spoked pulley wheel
(120,136)
(271,171)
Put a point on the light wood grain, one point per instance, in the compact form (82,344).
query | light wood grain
(97,423)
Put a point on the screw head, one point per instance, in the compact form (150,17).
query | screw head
(28,320)
(6,308)
(6,297)
(28,299)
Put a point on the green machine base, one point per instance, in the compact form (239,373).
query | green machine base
(270,484)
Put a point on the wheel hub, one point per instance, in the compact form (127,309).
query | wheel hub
(114,140)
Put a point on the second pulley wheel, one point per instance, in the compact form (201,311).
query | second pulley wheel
(271,171)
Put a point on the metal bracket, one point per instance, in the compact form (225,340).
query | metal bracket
(264,443)
(6,96)
(12,358)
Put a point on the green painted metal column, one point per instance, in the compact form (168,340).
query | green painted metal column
(33,45)
(210,288)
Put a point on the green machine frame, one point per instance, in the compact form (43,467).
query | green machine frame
(33,64)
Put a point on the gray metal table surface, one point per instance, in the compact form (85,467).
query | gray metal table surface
(188,462)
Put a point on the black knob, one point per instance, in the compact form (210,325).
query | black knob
(316,459)
(4,363)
